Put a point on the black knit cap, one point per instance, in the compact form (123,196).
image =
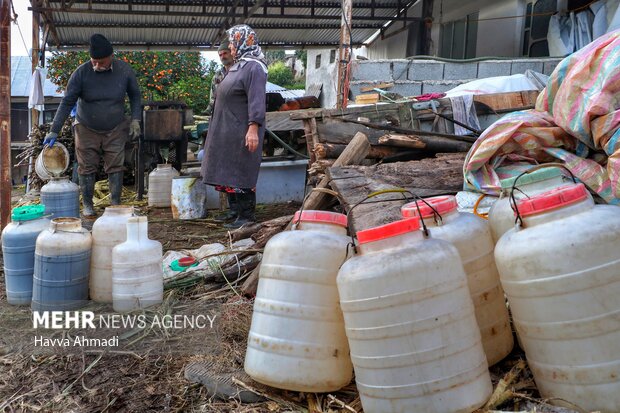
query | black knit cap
(100,47)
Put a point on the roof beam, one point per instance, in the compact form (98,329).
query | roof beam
(199,46)
(270,3)
(289,25)
(208,14)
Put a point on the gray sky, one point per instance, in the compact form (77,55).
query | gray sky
(24,19)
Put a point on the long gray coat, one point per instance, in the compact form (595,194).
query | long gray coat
(240,100)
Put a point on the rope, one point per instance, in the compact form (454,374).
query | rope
(484,215)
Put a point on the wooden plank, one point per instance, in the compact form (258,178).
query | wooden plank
(502,101)
(333,131)
(428,177)
(309,143)
(384,85)
(281,121)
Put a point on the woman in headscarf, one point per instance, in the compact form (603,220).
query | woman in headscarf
(234,143)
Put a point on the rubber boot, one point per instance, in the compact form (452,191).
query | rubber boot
(115,181)
(231,214)
(87,188)
(246,205)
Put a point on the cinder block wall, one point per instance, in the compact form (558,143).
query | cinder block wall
(417,77)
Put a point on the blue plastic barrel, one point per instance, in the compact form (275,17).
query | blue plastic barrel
(61,266)
(61,198)
(18,245)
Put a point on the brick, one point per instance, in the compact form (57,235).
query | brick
(440,87)
(407,88)
(400,69)
(460,71)
(520,66)
(549,66)
(494,68)
(355,86)
(372,71)
(426,71)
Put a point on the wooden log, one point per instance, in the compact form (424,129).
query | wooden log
(403,141)
(250,285)
(333,151)
(261,232)
(355,152)
(428,177)
(429,143)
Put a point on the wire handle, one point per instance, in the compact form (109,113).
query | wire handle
(512,199)
(402,191)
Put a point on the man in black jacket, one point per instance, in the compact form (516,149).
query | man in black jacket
(99,87)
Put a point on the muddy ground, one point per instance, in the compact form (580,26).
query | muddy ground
(146,372)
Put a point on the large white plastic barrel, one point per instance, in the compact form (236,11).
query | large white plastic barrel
(61,266)
(410,321)
(472,238)
(61,198)
(160,185)
(561,273)
(137,272)
(109,230)
(19,239)
(501,215)
(297,340)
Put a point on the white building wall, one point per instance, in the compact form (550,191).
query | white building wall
(324,75)
(500,33)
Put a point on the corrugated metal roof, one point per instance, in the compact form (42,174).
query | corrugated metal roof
(21,73)
(197,24)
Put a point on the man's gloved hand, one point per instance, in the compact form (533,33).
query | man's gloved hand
(134,130)
(50,139)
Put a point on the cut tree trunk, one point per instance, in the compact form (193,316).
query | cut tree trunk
(428,177)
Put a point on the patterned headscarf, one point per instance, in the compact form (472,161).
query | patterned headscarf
(244,38)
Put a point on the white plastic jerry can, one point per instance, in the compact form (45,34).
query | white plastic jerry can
(297,339)
(472,238)
(137,272)
(561,273)
(410,322)
(501,215)
(109,230)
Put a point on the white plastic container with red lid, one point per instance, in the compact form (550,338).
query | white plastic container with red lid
(410,321)
(297,339)
(561,273)
(472,238)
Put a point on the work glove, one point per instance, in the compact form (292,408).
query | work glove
(50,139)
(134,130)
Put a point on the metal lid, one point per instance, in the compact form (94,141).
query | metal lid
(27,212)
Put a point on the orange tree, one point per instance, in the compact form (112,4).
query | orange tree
(161,75)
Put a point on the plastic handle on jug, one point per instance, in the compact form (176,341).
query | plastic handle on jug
(513,201)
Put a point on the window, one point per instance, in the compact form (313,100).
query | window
(332,56)
(317,62)
(536,26)
(458,38)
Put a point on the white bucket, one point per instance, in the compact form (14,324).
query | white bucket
(52,162)
(188,198)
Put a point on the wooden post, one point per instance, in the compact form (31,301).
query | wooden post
(36,48)
(426,25)
(344,55)
(5,113)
